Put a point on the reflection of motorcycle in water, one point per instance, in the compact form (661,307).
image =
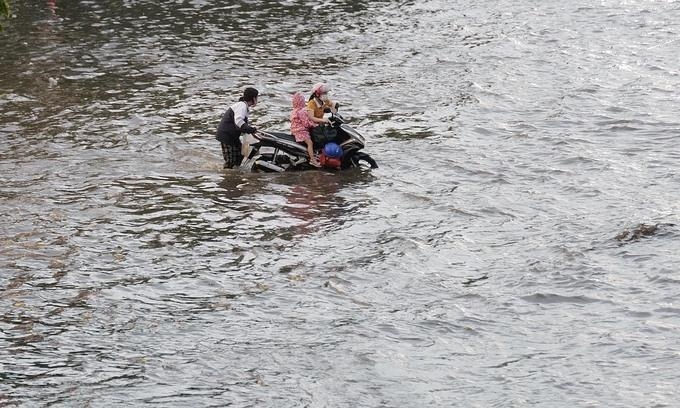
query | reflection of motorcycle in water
(279,152)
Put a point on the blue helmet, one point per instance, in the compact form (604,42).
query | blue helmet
(332,150)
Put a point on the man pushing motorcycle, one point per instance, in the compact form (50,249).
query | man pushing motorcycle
(233,124)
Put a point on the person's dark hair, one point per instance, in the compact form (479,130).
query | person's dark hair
(249,94)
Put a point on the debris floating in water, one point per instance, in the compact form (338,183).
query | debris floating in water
(642,230)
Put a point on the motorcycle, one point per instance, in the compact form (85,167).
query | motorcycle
(279,152)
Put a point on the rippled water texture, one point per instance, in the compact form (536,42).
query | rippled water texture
(517,247)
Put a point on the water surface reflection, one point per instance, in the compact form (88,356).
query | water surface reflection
(478,266)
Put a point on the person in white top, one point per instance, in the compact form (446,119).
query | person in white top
(234,123)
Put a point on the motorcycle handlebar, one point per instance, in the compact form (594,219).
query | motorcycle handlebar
(336,117)
(258,135)
(328,110)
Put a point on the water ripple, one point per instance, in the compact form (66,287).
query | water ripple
(502,254)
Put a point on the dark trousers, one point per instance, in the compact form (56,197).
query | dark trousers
(232,155)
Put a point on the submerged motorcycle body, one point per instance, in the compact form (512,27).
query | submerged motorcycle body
(279,152)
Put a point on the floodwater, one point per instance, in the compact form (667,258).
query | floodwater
(518,245)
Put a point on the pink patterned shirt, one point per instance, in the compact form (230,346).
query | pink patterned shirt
(299,119)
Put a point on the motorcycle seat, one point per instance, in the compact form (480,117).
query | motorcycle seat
(285,136)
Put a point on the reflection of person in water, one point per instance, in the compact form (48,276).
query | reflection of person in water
(50,70)
(315,203)
(52,5)
(312,199)
(240,189)
(301,204)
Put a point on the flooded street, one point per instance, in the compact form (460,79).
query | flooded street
(518,245)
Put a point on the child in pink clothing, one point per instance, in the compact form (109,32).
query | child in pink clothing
(301,120)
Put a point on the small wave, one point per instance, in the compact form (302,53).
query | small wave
(548,298)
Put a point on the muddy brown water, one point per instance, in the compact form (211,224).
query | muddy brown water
(479,266)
